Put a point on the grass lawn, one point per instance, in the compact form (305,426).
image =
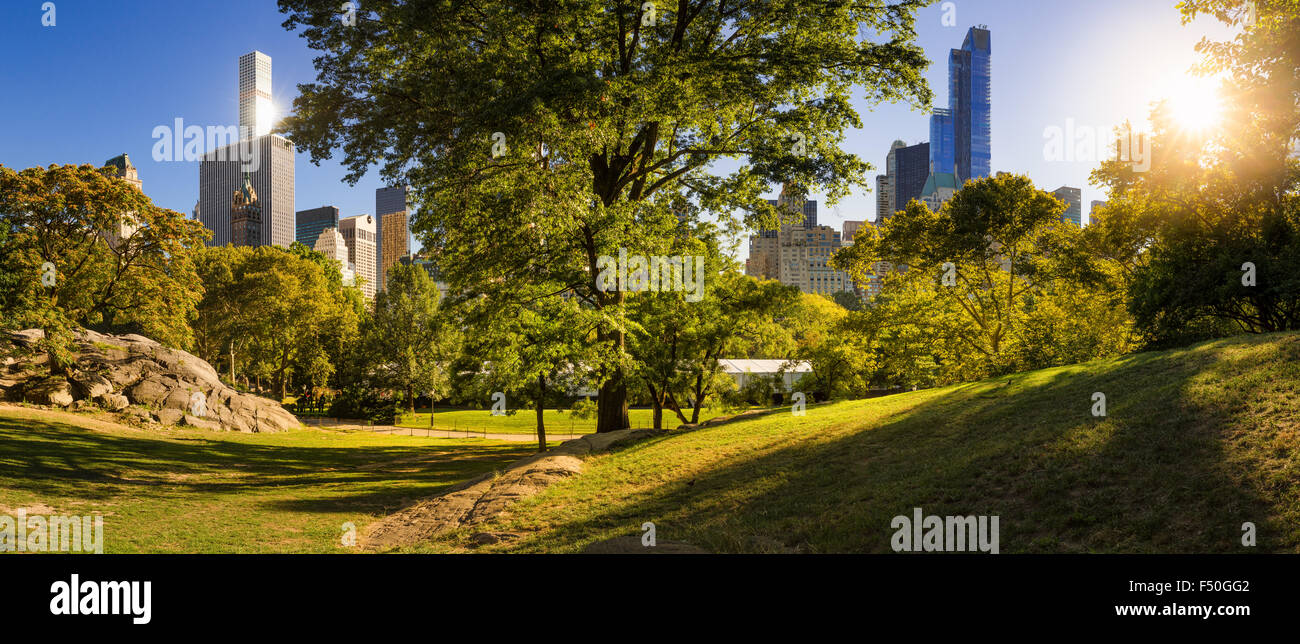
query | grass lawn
(524,421)
(184,490)
(1195,442)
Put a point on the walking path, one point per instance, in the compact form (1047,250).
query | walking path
(437,433)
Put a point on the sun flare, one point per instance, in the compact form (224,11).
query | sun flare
(1195,103)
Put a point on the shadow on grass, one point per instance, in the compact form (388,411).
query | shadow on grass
(1177,465)
(51,460)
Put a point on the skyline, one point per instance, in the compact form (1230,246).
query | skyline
(1031,91)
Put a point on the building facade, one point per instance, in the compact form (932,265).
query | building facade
(331,244)
(939,188)
(308,224)
(256,111)
(393,216)
(884,200)
(943,154)
(765,245)
(1074,204)
(912,167)
(245,216)
(805,260)
(359,236)
(122,168)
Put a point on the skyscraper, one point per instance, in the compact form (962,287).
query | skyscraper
(962,134)
(309,223)
(884,200)
(331,244)
(887,187)
(359,235)
(391,211)
(943,155)
(912,167)
(1074,204)
(765,245)
(270,169)
(256,112)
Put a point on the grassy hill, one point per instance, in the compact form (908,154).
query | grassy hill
(1195,442)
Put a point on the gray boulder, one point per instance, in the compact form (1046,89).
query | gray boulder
(56,392)
(121,370)
(113,402)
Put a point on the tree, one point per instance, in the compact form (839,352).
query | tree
(537,353)
(539,137)
(680,342)
(1209,233)
(140,278)
(991,246)
(409,336)
(272,306)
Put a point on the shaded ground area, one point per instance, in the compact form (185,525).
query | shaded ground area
(186,490)
(1195,443)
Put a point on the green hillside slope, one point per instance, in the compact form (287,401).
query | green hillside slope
(1195,443)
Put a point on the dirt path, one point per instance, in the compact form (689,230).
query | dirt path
(486,497)
(443,433)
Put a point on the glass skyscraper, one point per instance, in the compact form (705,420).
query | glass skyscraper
(309,224)
(942,154)
(960,136)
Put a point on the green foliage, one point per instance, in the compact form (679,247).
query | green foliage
(1183,231)
(409,337)
(992,283)
(583,409)
(72,217)
(610,127)
(278,312)
(361,402)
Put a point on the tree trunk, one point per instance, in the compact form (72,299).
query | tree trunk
(541,406)
(410,399)
(611,407)
(672,403)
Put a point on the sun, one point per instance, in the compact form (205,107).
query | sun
(1195,104)
(266,115)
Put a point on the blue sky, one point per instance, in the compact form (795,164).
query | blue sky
(97,83)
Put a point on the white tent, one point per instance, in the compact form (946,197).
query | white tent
(742,370)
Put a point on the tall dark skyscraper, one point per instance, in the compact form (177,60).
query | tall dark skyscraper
(961,135)
(911,167)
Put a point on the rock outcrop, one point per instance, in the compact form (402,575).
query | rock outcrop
(115,372)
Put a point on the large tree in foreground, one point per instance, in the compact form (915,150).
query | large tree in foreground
(540,136)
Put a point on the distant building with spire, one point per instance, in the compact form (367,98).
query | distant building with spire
(245,215)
